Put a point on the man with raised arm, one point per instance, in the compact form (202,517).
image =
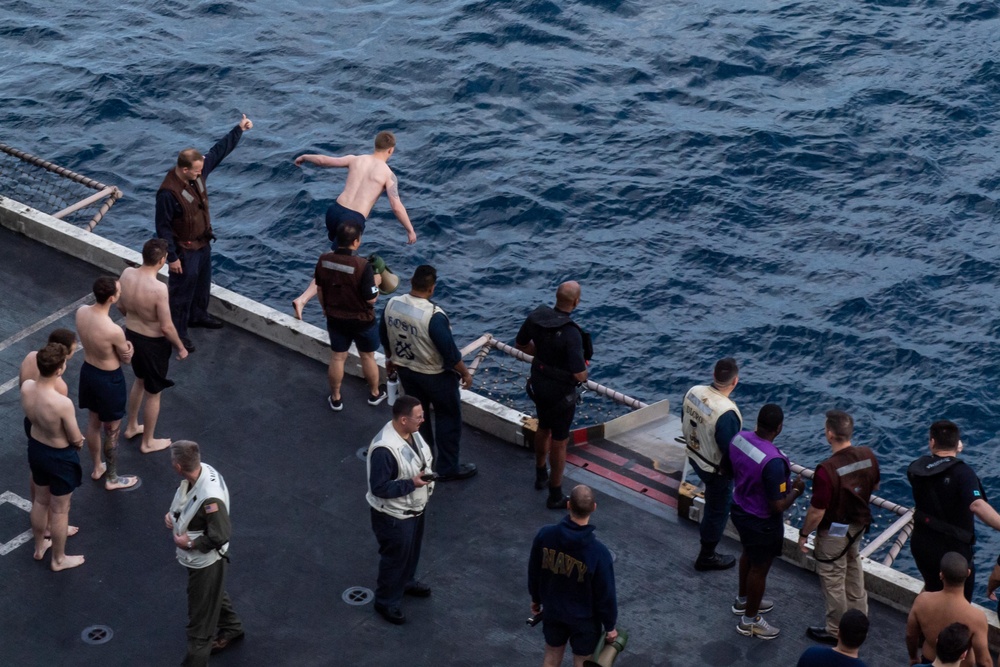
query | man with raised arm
(561,350)
(53,454)
(368,176)
(933,611)
(947,498)
(183,221)
(103,390)
(148,327)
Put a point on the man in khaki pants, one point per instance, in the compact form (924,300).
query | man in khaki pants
(840,514)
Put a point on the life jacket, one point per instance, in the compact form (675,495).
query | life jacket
(551,321)
(749,454)
(338,275)
(853,473)
(407,324)
(187,501)
(703,405)
(193,228)
(410,463)
(921,475)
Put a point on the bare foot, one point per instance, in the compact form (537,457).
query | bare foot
(297,305)
(46,543)
(132,432)
(123,482)
(67,563)
(156,445)
(99,471)
(70,532)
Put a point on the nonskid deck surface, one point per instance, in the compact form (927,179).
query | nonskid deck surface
(302,535)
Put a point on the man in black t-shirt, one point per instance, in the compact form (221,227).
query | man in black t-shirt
(947,496)
(561,350)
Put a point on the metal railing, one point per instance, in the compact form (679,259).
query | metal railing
(900,529)
(108,193)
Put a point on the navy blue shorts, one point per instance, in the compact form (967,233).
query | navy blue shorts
(582,638)
(337,215)
(762,539)
(344,332)
(58,469)
(103,392)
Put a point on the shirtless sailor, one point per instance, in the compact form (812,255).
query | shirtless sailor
(367,177)
(146,306)
(53,454)
(102,382)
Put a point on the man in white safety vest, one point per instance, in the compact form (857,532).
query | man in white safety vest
(710,421)
(199,519)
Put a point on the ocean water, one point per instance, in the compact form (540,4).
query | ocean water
(809,187)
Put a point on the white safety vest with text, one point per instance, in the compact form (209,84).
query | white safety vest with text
(410,464)
(187,501)
(407,323)
(703,405)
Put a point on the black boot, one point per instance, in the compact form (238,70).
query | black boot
(541,477)
(556,499)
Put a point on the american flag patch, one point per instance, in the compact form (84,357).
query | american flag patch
(211,507)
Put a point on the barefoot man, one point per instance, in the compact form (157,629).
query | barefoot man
(53,454)
(367,177)
(102,383)
(151,332)
(29,371)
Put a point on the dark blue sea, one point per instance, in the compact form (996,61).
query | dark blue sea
(809,187)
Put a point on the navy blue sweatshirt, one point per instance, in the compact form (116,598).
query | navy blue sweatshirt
(571,575)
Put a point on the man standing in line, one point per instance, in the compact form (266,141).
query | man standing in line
(561,350)
(103,390)
(54,442)
(840,514)
(947,498)
(710,420)
(851,635)
(762,491)
(418,344)
(400,482)
(571,580)
(184,222)
(368,176)
(199,519)
(932,611)
(347,291)
(151,332)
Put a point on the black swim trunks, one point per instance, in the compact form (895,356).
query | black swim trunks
(151,360)
(103,392)
(58,469)
(337,215)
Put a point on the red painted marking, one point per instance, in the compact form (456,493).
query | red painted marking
(668,500)
(649,473)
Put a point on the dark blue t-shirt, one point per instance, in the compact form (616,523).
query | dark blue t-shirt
(822,656)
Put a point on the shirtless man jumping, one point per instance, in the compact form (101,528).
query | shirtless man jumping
(367,177)
(102,383)
(146,306)
(53,454)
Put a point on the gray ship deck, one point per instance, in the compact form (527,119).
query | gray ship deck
(302,534)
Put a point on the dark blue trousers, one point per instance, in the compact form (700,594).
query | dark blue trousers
(718,496)
(189,291)
(440,392)
(399,551)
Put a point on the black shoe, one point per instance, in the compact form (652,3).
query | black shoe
(208,322)
(465,471)
(556,502)
(375,400)
(818,633)
(714,562)
(541,478)
(221,643)
(417,589)
(392,614)
(188,345)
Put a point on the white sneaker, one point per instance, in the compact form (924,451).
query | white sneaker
(757,627)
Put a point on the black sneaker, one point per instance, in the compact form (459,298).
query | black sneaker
(375,400)
(336,406)
(714,562)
